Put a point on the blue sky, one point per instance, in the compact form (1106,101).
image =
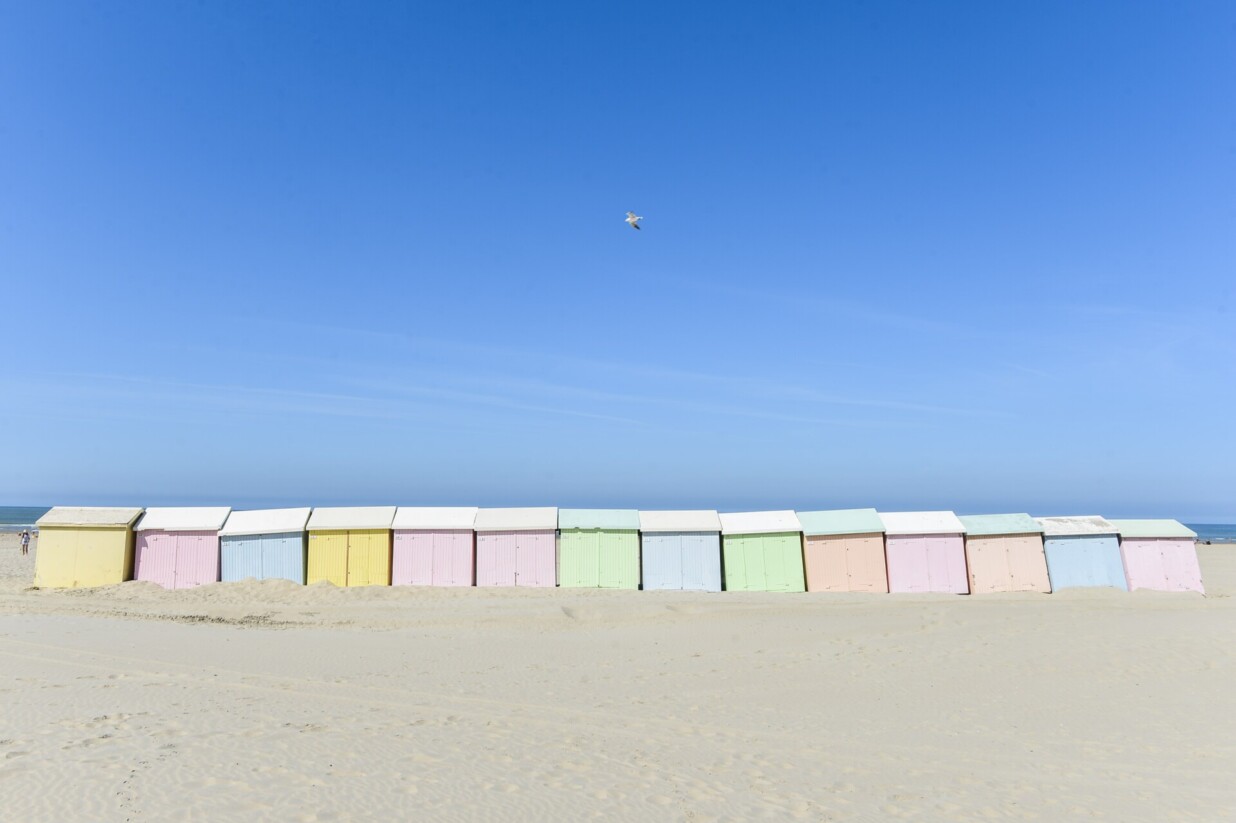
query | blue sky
(973,256)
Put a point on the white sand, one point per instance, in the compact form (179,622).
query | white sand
(266,701)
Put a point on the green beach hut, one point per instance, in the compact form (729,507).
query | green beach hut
(762,552)
(598,548)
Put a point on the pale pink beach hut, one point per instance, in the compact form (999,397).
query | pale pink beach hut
(434,546)
(178,547)
(1159,555)
(516,547)
(926,552)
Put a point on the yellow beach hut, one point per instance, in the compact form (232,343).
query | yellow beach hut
(350,545)
(85,546)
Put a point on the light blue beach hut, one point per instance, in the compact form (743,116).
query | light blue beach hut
(264,544)
(681,550)
(1082,551)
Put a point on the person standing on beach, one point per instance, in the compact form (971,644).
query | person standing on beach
(25,542)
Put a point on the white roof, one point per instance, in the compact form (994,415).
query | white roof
(1073,526)
(679,521)
(759,522)
(352,517)
(89,516)
(183,519)
(266,521)
(425,517)
(921,523)
(517,520)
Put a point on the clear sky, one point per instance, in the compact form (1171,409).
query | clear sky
(978,256)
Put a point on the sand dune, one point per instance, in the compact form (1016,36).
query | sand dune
(274,701)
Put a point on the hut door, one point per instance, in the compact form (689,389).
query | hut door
(691,562)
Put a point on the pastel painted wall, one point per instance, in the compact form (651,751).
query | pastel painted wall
(926,563)
(763,562)
(70,557)
(516,558)
(687,561)
(1007,563)
(428,557)
(598,558)
(845,563)
(1161,564)
(176,559)
(359,557)
(263,557)
(1084,560)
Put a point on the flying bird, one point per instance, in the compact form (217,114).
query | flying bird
(633,219)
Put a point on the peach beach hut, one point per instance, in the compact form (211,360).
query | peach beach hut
(843,551)
(1004,553)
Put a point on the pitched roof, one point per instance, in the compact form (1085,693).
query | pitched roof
(351,517)
(759,522)
(841,521)
(266,521)
(598,519)
(978,525)
(1074,526)
(702,520)
(425,517)
(1153,528)
(516,520)
(97,517)
(921,523)
(183,519)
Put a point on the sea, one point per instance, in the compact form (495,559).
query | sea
(16,518)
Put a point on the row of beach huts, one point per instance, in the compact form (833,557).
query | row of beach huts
(850,550)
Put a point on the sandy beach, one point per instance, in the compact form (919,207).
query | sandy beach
(272,701)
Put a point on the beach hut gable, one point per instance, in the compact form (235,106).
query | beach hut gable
(265,521)
(186,519)
(349,518)
(89,517)
(610,519)
(435,519)
(841,521)
(1076,526)
(516,520)
(700,520)
(998,524)
(1153,528)
(940,522)
(774,522)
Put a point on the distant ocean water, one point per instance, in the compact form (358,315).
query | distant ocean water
(16,518)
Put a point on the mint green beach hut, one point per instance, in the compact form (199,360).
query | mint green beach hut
(762,552)
(598,548)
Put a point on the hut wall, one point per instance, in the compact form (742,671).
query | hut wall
(424,557)
(1161,564)
(1079,561)
(78,557)
(926,563)
(176,559)
(1006,563)
(360,557)
(845,563)
(763,562)
(515,558)
(263,557)
(689,561)
(598,558)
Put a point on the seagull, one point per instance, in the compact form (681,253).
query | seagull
(633,219)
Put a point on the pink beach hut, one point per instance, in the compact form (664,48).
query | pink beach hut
(178,548)
(1159,555)
(516,547)
(434,546)
(926,552)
